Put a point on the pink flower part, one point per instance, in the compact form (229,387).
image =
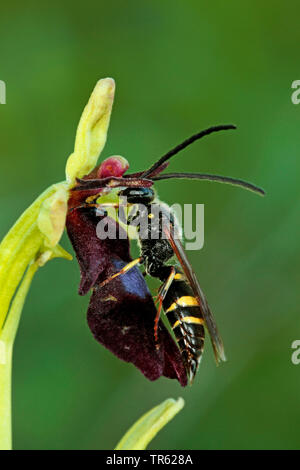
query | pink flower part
(113,166)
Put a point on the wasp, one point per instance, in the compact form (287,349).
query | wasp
(122,311)
(180,294)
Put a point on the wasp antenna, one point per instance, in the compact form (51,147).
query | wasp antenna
(219,179)
(185,144)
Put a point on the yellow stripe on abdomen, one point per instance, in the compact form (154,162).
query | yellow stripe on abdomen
(187,301)
(193,320)
(197,320)
(184,301)
(179,276)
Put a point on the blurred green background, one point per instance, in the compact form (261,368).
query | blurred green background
(179,67)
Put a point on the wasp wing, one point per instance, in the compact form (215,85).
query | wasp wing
(215,337)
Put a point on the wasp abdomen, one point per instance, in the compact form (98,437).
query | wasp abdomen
(186,320)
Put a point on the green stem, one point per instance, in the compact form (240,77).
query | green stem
(7,337)
(18,248)
(5,396)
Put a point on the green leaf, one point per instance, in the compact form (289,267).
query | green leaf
(146,428)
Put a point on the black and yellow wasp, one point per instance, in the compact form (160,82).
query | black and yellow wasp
(180,295)
(122,314)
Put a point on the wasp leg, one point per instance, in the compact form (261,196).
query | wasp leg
(122,271)
(89,202)
(161,295)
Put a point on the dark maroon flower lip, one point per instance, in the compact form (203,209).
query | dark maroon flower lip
(93,254)
(121,317)
(121,313)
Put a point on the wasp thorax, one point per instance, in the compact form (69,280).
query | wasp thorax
(113,166)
